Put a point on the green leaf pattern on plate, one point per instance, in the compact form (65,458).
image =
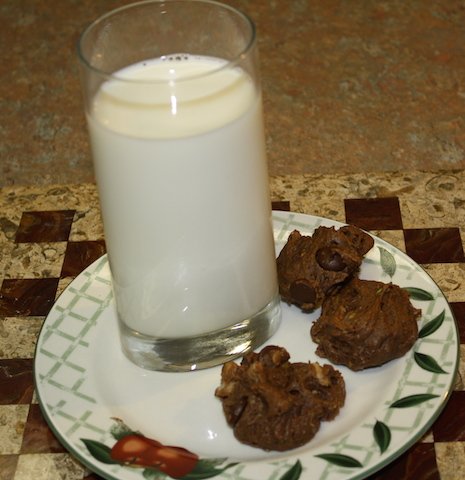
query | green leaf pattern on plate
(151,474)
(418,388)
(294,472)
(382,435)
(419,294)
(387,261)
(432,325)
(381,431)
(98,450)
(205,469)
(413,400)
(427,362)
(151,457)
(340,460)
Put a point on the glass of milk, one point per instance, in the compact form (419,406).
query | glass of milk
(173,105)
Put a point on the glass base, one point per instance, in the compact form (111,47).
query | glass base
(201,351)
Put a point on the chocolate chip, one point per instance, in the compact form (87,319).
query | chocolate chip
(302,292)
(329,259)
(360,240)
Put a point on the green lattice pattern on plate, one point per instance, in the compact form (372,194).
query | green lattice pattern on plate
(72,407)
(64,337)
(414,378)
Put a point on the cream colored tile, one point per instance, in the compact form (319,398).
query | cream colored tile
(311,194)
(437,201)
(5,257)
(35,260)
(51,466)
(18,336)
(426,212)
(459,383)
(12,422)
(451,279)
(87,224)
(394,237)
(450,458)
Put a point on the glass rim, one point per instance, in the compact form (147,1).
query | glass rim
(232,63)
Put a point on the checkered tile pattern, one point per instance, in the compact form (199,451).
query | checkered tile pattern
(30,298)
(25,439)
(425,246)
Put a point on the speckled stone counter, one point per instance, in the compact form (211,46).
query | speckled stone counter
(48,234)
(347,86)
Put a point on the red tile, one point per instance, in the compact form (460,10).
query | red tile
(38,438)
(16,381)
(79,255)
(8,465)
(418,462)
(374,213)
(458,309)
(46,226)
(450,426)
(283,205)
(434,245)
(26,297)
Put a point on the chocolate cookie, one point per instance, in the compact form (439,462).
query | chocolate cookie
(309,267)
(276,405)
(366,324)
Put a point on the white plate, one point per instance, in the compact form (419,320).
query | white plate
(84,382)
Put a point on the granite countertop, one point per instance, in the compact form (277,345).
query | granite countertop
(347,86)
(49,234)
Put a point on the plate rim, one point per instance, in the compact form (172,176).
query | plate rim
(94,466)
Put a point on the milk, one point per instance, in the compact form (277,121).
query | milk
(181,169)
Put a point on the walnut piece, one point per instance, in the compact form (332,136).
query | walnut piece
(276,405)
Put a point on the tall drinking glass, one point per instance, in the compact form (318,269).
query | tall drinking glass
(173,104)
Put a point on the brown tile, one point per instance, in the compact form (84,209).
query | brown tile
(450,426)
(38,438)
(434,245)
(47,226)
(92,476)
(458,309)
(8,465)
(421,463)
(395,469)
(27,296)
(418,462)
(80,255)
(374,213)
(16,381)
(283,205)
